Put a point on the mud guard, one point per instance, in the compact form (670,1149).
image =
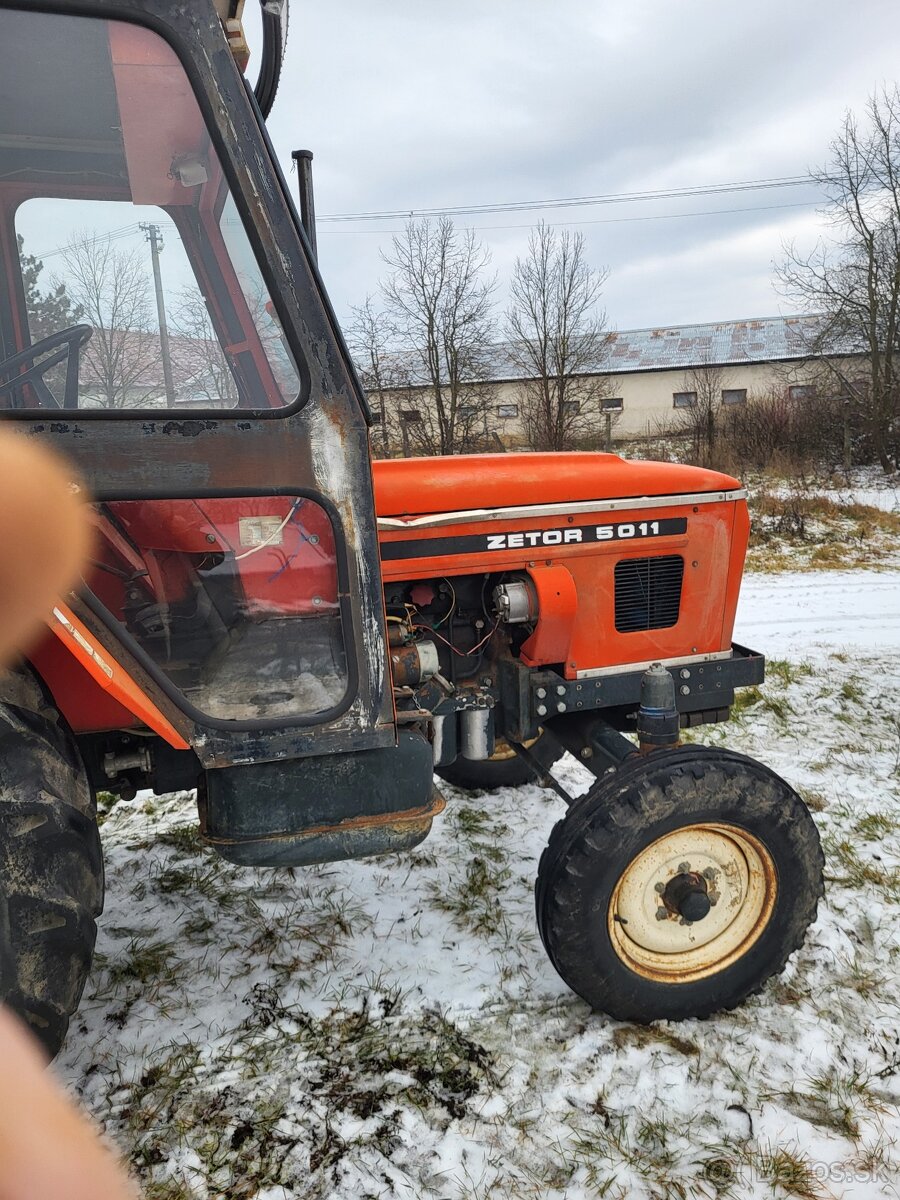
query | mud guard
(313,810)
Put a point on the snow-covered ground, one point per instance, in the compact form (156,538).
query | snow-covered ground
(815,613)
(392,1028)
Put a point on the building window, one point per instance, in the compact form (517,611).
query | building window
(573,407)
(507,410)
(684,399)
(410,416)
(376,416)
(802,391)
(466,412)
(612,404)
(734,395)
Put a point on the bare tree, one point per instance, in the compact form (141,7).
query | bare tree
(558,339)
(199,365)
(855,280)
(121,364)
(439,310)
(380,373)
(697,417)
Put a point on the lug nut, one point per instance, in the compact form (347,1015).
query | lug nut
(542,710)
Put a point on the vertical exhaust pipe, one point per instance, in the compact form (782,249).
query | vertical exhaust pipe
(303,160)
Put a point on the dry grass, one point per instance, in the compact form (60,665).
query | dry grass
(803,531)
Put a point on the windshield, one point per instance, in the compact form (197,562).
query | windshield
(129,281)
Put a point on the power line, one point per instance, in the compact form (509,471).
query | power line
(710,212)
(114,235)
(709,189)
(522,206)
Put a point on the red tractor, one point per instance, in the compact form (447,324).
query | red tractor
(261,623)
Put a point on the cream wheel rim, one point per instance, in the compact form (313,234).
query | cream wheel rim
(503,751)
(692,902)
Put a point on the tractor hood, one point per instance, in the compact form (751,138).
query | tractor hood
(410,487)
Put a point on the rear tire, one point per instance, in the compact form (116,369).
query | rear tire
(678,885)
(504,769)
(51,867)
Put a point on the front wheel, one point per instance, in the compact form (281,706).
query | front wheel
(677,886)
(504,768)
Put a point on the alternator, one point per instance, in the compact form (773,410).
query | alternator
(515,602)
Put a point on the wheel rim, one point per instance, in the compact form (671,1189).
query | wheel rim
(692,902)
(503,751)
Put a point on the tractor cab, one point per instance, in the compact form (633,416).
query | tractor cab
(162,322)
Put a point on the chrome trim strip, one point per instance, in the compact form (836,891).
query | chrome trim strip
(621,668)
(82,641)
(432,520)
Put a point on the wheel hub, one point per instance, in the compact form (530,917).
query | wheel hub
(686,894)
(692,902)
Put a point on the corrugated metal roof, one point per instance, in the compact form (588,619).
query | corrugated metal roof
(676,347)
(764,339)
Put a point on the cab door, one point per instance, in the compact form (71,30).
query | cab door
(182,352)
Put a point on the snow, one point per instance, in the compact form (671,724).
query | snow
(392,1028)
(807,614)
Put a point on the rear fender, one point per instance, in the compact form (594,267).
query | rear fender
(121,695)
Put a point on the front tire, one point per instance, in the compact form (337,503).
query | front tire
(51,867)
(678,885)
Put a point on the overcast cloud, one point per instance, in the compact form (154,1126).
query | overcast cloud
(414,105)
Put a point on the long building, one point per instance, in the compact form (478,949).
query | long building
(647,375)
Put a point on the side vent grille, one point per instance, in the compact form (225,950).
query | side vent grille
(648,592)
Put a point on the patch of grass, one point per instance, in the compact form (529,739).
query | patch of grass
(648,1035)
(814,801)
(106,802)
(790,1170)
(833,1100)
(858,870)
(470,822)
(210,878)
(474,901)
(763,700)
(646,1146)
(144,961)
(183,838)
(787,672)
(829,558)
(851,692)
(877,825)
(303,938)
(803,530)
(360,1066)
(864,979)
(745,698)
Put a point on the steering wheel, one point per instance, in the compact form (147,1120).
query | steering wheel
(68,344)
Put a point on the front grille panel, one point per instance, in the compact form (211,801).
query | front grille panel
(648,592)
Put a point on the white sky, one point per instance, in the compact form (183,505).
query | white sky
(410,105)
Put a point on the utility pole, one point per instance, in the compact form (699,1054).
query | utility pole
(154,237)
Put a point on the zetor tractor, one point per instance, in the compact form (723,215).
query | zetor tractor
(305,636)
